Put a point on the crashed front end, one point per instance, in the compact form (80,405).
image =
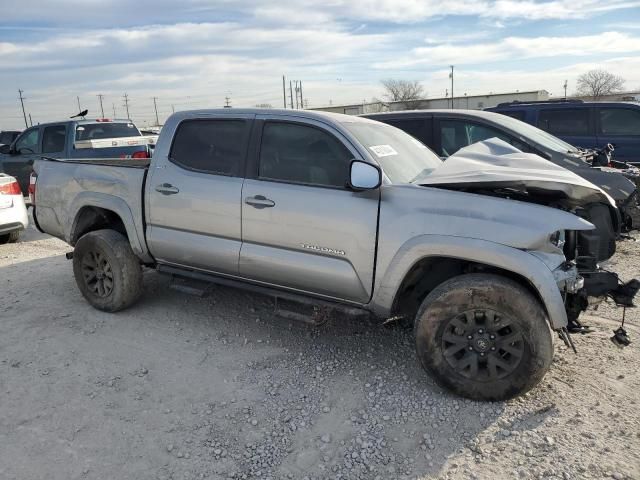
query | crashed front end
(495,168)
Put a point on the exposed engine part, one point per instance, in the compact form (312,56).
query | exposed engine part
(563,333)
(620,336)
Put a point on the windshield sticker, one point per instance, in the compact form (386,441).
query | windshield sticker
(418,143)
(383,150)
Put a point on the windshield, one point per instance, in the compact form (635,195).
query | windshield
(102,130)
(537,135)
(402,158)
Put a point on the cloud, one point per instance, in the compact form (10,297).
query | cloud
(516,48)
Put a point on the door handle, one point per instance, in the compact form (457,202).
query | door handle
(167,189)
(259,201)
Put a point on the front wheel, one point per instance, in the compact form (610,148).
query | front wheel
(483,337)
(107,272)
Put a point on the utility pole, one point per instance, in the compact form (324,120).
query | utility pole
(227,102)
(114,110)
(301,97)
(451,77)
(296,90)
(565,89)
(155,107)
(126,105)
(291,94)
(173,109)
(79,107)
(101,107)
(284,92)
(22,99)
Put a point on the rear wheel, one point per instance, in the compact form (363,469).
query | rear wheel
(10,237)
(483,337)
(107,272)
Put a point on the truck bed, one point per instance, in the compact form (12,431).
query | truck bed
(68,188)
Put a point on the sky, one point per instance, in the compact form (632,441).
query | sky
(196,53)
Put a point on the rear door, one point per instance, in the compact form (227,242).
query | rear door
(574,125)
(620,125)
(302,229)
(194,194)
(27,148)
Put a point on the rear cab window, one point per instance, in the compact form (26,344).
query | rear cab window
(216,146)
(564,121)
(103,130)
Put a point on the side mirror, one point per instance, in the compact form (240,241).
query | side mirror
(5,149)
(364,176)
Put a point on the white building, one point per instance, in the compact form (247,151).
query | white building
(472,102)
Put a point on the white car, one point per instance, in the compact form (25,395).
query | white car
(13,212)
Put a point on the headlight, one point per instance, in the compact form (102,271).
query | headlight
(557,238)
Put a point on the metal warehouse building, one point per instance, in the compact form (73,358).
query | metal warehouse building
(473,102)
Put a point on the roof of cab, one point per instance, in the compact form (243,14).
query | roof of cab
(309,114)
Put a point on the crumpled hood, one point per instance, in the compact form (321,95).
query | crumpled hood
(494,163)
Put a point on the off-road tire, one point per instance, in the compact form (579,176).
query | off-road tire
(11,237)
(105,256)
(503,368)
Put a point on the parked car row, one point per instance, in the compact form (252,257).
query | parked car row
(447,131)
(100,138)
(484,252)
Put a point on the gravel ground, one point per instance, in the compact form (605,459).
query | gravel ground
(183,387)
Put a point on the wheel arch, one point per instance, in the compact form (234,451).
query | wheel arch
(442,257)
(429,272)
(95,211)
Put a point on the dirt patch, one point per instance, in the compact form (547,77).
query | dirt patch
(181,387)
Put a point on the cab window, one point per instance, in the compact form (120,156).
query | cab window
(28,142)
(565,121)
(619,121)
(457,134)
(211,146)
(53,139)
(297,153)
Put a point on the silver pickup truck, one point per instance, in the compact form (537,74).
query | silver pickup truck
(333,210)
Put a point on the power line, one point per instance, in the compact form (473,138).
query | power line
(155,107)
(291,93)
(284,92)
(451,77)
(22,99)
(100,96)
(126,104)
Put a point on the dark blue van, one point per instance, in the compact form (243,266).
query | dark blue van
(584,124)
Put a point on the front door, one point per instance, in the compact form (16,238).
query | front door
(302,228)
(19,163)
(194,195)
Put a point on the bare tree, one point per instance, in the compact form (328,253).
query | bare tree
(409,92)
(264,105)
(597,83)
